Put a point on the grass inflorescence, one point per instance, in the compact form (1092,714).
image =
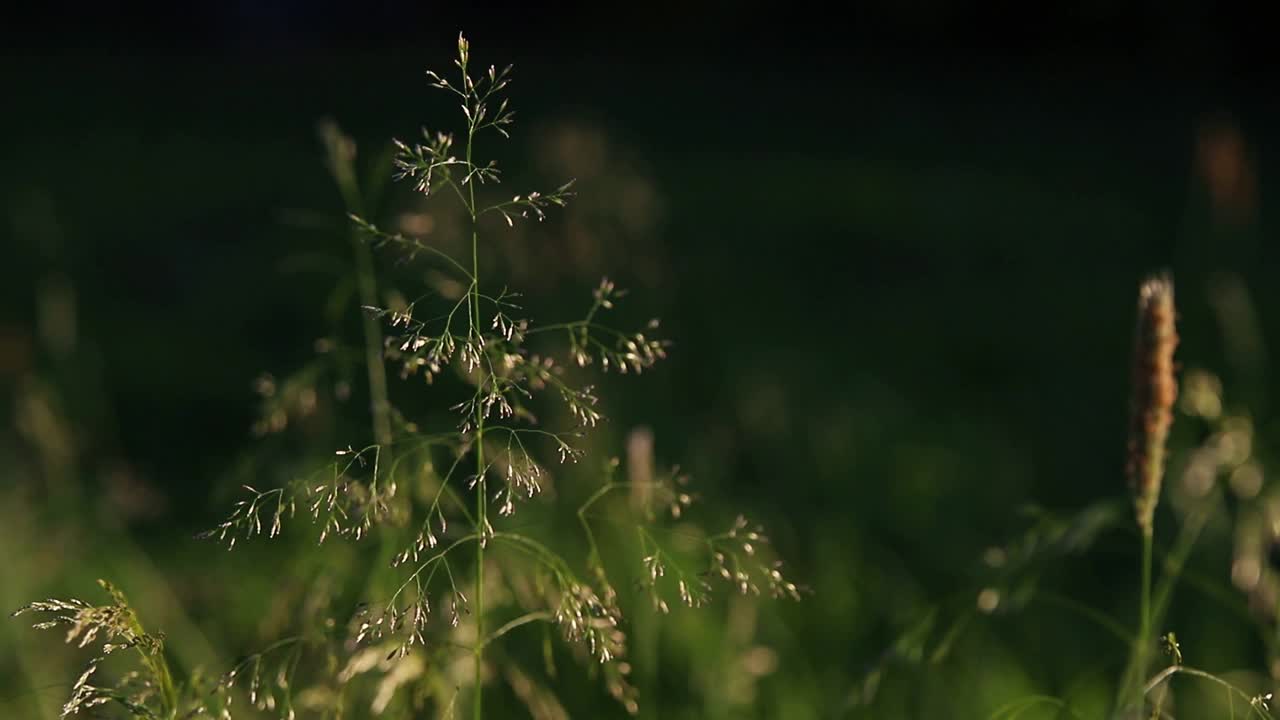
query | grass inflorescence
(512,404)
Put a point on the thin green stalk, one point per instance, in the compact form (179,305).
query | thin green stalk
(480,519)
(379,399)
(646,630)
(380,403)
(1096,616)
(1232,690)
(1175,559)
(342,167)
(1144,625)
(153,658)
(367,283)
(481,492)
(540,616)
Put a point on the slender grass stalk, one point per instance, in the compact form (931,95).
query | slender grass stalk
(377,372)
(1257,708)
(153,659)
(341,156)
(1144,626)
(341,165)
(481,496)
(482,521)
(1174,561)
(1154,392)
(478,711)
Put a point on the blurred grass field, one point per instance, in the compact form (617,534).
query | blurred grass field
(901,314)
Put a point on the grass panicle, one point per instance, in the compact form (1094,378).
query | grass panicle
(436,484)
(1154,392)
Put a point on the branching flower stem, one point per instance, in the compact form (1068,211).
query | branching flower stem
(481,492)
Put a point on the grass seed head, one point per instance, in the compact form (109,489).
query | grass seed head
(1154,393)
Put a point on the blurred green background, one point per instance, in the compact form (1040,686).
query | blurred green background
(899,282)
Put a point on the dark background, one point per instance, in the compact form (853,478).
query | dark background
(896,250)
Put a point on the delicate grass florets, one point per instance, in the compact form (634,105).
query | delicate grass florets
(444,534)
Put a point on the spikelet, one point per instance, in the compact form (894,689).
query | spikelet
(1154,392)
